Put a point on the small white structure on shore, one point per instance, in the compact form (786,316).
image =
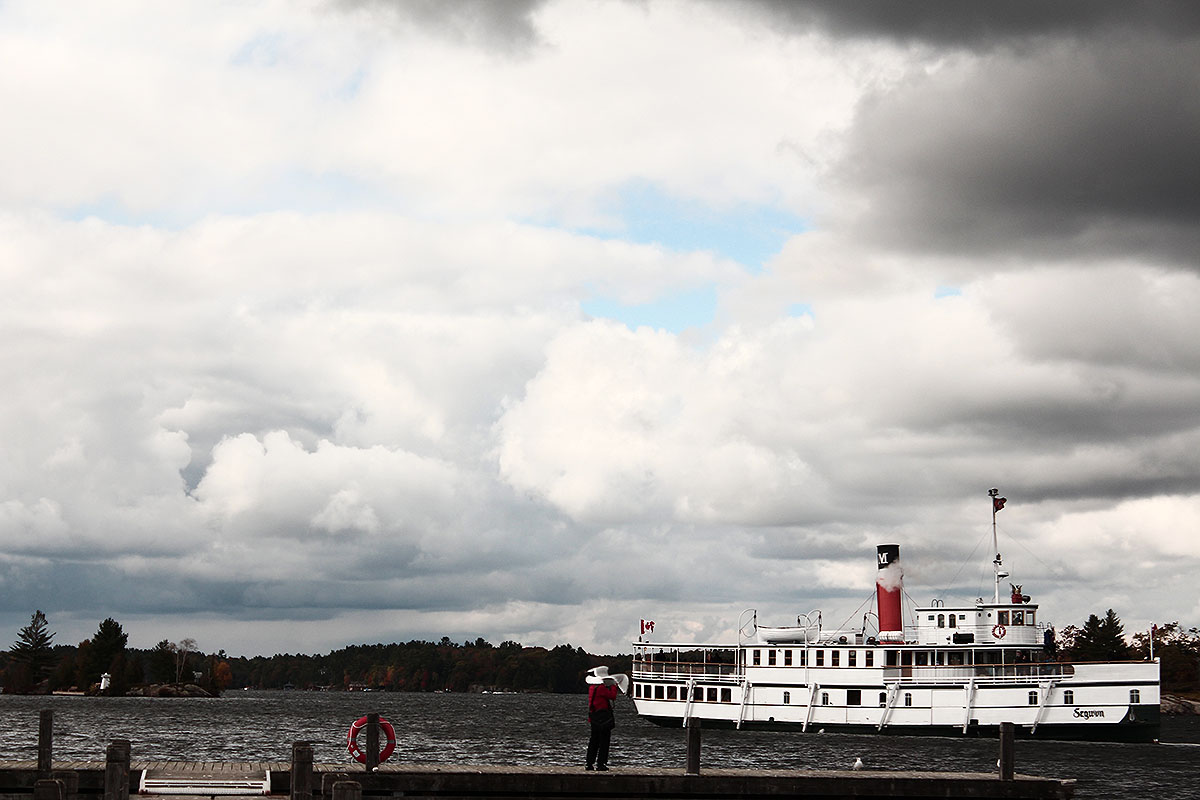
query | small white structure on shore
(105,681)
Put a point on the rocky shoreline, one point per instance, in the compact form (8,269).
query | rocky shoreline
(168,690)
(1174,704)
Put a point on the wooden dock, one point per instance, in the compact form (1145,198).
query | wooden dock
(119,776)
(84,780)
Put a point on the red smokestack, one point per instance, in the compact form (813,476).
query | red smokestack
(888,583)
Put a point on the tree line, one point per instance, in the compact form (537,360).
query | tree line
(1103,639)
(35,664)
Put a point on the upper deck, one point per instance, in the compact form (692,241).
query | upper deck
(981,623)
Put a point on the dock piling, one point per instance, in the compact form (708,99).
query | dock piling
(1007,756)
(347,790)
(693,746)
(69,778)
(302,771)
(116,770)
(372,753)
(49,789)
(45,751)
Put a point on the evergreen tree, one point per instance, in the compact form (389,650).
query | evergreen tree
(33,648)
(107,650)
(162,662)
(1099,640)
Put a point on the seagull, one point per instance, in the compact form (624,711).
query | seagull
(857,764)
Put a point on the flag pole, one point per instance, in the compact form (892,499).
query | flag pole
(997,563)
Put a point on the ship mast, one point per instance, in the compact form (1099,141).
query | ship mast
(998,563)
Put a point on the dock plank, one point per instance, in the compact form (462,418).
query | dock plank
(562,782)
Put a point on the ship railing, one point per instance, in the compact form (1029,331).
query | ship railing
(979,673)
(682,670)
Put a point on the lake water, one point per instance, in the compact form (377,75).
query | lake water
(551,729)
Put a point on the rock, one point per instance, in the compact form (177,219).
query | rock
(1174,704)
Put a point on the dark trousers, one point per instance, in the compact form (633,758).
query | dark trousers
(597,752)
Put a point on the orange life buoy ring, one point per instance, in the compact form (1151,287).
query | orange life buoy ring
(998,631)
(352,740)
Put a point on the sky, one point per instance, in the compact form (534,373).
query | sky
(359,321)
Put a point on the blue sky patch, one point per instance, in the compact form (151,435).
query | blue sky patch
(746,233)
(676,312)
(947,291)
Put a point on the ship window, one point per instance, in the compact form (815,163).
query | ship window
(1029,617)
(637,690)
(1033,698)
(757,657)
(787,658)
(941,620)
(922,659)
(854,697)
(697,693)
(870,658)
(1018,618)
(820,658)
(803,658)
(892,657)
(787,698)
(712,694)
(951,620)
(658,693)
(1069,697)
(771,657)
(882,699)
(931,617)
(824,698)
(1001,617)
(852,658)
(1135,695)
(835,658)
(908,698)
(672,693)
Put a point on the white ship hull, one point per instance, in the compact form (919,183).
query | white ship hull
(1117,701)
(960,670)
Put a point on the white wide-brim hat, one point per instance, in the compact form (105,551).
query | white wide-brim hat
(597,675)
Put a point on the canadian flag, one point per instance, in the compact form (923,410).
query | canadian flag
(647,625)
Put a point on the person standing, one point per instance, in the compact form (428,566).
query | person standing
(602,692)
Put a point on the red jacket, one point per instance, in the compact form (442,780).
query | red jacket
(601,696)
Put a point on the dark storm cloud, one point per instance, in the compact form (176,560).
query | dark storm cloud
(501,24)
(1069,150)
(974,25)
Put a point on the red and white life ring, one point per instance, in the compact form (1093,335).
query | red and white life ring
(352,740)
(998,631)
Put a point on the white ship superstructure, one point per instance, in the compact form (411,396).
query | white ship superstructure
(960,670)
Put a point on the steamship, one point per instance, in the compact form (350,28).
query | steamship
(961,670)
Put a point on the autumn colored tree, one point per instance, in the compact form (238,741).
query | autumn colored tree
(223,675)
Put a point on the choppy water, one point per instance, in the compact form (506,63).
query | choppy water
(551,729)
